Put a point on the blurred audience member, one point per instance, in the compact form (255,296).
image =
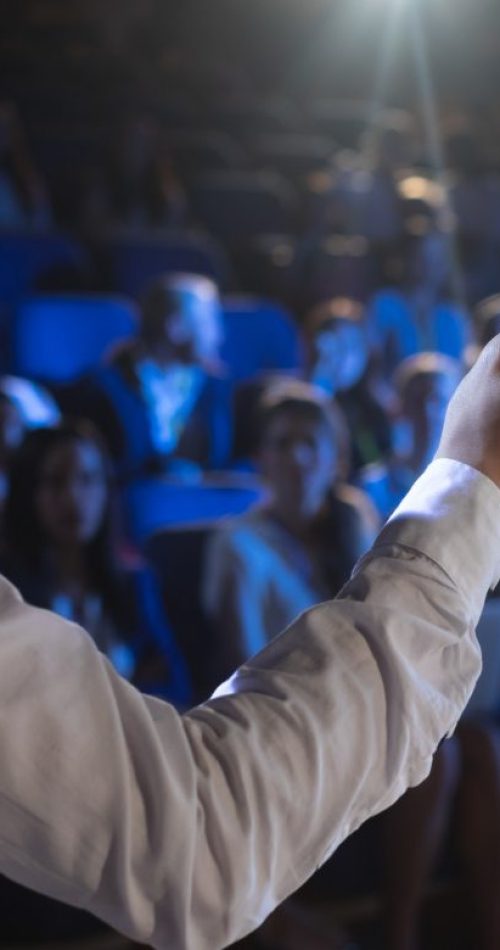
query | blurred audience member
(361,196)
(467,180)
(161,398)
(368,183)
(24,201)
(60,551)
(487,319)
(419,313)
(340,364)
(23,405)
(139,188)
(265,567)
(425,384)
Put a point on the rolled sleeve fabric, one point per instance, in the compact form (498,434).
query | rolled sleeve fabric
(185,832)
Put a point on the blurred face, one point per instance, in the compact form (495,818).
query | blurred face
(341,357)
(298,460)
(196,328)
(72,493)
(425,404)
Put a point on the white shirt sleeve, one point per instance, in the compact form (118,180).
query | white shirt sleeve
(185,832)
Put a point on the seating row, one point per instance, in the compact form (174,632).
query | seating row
(57,338)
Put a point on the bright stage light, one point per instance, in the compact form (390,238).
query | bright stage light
(420,188)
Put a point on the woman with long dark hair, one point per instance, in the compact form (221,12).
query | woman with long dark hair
(61,551)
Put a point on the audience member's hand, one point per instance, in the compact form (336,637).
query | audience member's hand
(471,430)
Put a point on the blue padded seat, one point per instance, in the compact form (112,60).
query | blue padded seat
(153,503)
(260,336)
(176,555)
(58,338)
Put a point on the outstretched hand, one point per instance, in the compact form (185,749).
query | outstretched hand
(471,431)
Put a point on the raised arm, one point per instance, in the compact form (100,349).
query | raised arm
(186,831)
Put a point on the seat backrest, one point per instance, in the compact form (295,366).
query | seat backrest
(344,120)
(132,262)
(177,556)
(58,338)
(240,205)
(259,337)
(337,266)
(292,154)
(197,151)
(153,503)
(26,258)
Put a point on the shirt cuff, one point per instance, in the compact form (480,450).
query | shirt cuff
(452,516)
